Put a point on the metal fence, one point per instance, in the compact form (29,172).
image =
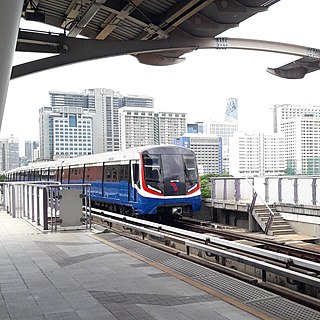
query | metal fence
(48,206)
(298,190)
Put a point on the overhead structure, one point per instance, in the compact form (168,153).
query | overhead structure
(136,21)
(125,26)
(156,32)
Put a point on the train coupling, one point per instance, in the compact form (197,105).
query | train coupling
(177,210)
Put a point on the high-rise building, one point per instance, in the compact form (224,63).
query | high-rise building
(71,99)
(106,120)
(302,145)
(139,101)
(208,150)
(196,127)
(9,157)
(232,109)
(172,125)
(282,112)
(225,129)
(136,127)
(257,154)
(106,104)
(300,125)
(65,132)
(29,147)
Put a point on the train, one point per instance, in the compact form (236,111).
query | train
(158,180)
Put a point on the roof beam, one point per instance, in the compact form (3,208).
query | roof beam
(85,19)
(178,15)
(115,19)
(76,50)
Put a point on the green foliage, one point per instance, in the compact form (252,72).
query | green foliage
(205,187)
(2,177)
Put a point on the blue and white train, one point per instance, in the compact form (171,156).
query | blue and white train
(155,180)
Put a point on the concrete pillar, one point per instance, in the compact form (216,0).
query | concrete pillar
(10,13)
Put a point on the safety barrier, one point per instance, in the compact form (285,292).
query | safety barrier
(302,190)
(48,205)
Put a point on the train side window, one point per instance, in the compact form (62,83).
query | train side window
(114,173)
(93,173)
(107,173)
(124,173)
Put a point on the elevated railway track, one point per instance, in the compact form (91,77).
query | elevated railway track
(293,274)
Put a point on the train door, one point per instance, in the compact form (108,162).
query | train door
(134,183)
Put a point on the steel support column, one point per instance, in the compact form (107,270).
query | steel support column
(10,12)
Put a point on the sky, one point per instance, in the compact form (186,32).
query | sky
(199,86)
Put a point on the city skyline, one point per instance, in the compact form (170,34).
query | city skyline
(199,86)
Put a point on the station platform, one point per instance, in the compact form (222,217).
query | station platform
(85,275)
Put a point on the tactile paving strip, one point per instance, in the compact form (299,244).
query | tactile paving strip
(248,294)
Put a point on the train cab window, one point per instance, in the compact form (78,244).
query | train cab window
(190,168)
(152,171)
(135,173)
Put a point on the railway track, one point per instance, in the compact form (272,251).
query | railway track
(291,276)
(311,254)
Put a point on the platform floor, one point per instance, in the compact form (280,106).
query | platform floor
(73,275)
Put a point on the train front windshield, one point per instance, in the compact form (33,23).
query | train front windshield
(170,174)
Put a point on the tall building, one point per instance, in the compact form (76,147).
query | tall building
(65,132)
(29,147)
(302,145)
(106,120)
(172,125)
(300,125)
(257,154)
(105,104)
(139,101)
(144,126)
(224,129)
(136,127)
(197,127)
(208,149)
(9,157)
(71,99)
(232,109)
(282,112)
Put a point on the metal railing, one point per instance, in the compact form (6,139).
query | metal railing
(296,190)
(44,204)
(242,190)
(254,197)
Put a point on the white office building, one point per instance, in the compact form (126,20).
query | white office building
(208,149)
(106,120)
(282,112)
(29,148)
(65,132)
(225,129)
(171,125)
(105,105)
(302,145)
(257,154)
(9,153)
(136,127)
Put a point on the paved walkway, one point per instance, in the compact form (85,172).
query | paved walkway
(70,275)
